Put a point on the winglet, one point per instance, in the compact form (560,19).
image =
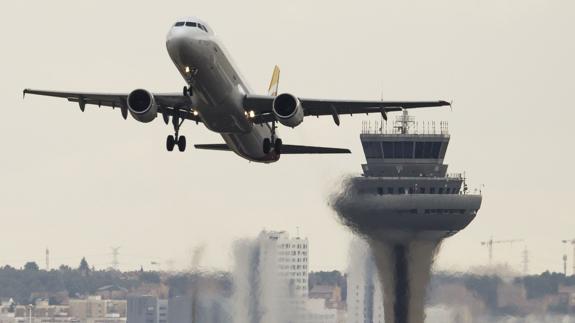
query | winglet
(274,83)
(24,93)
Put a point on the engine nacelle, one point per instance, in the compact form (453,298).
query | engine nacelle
(142,105)
(288,110)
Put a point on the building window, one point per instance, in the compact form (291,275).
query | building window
(380,190)
(387,149)
(372,149)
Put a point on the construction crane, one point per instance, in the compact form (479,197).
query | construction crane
(573,243)
(489,243)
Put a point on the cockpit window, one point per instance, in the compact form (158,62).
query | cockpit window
(179,24)
(191,24)
(202,27)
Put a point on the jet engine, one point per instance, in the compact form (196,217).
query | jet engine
(142,105)
(288,110)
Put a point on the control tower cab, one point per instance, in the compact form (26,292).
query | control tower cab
(405,189)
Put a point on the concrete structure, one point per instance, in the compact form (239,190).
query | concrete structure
(317,312)
(94,307)
(404,204)
(147,309)
(364,297)
(90,310)
(330,294)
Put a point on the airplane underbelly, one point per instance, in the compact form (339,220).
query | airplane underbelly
(223,110)
(250,145)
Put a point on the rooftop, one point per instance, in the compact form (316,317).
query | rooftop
(405,125)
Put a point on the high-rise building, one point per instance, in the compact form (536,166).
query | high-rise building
(271,278)
(287,258)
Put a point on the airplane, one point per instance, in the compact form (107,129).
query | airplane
(218,96)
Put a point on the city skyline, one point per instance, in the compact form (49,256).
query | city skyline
(79,184)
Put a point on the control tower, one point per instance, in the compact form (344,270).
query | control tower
(404,204)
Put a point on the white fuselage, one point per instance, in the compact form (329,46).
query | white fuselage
(218,89)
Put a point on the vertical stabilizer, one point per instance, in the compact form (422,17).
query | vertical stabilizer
(273,89)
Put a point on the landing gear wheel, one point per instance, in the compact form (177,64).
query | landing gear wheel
(170,143)
(278,146)
(182,143)
(187,91)
(267,146)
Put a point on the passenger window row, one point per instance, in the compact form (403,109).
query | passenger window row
(191,24)
(420,190)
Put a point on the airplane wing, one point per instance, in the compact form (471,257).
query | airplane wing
(170,104)
(262,106)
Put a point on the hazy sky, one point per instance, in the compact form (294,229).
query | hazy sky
(81,183)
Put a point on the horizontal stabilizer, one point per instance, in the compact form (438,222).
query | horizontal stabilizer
(286,149)
(292,149)
(222,147)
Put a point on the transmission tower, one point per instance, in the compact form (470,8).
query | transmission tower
(115,255)
(525,261)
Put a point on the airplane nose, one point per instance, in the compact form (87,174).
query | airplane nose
(175,36)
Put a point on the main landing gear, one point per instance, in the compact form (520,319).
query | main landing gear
(176,139)
(187,91)
(277,142)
